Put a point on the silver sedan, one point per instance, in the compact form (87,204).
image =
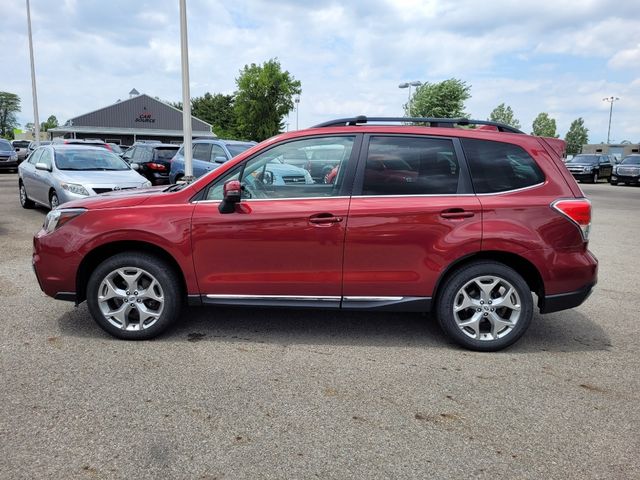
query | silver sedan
(55,174)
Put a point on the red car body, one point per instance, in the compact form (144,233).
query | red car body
(350,251)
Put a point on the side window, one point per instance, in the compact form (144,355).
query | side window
(202,151)
(46,157)
(218,154)
(136,155)
(35,156)
(410,166)
(499,167)
(269,175)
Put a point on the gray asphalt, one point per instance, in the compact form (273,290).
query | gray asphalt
(246,393)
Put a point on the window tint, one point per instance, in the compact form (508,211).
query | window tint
(35,156)
(272,175)
(218,153)
(202,151)
(499,167)
(410,166)
(46,158)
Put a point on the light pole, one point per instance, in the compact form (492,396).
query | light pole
(34,93)
(611,100)
(186,96)
(408,85)
(297,100)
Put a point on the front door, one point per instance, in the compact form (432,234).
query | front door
(283,244)
(412,214)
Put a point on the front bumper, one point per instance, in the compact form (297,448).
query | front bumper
(583,176)
(8,164)
(625,178)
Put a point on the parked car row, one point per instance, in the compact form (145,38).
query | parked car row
(595,167)
(627,171)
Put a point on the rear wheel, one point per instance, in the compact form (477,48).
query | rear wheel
(134,296)
(485,306)
(24,199)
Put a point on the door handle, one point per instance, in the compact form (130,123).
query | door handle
(454,213)
(324,219)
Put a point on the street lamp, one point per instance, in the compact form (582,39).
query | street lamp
(408,85)
(611,100)
(297,100)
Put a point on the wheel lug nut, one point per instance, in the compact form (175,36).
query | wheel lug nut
(136,292)
(127,292)
(481,302)
(139,300)
(492,309)
(486,314)
(479,310)
(489,302)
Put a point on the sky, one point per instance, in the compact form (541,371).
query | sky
(562,58)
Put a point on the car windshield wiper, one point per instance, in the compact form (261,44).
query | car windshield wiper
(175,187)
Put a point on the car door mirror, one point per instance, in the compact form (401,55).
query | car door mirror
(231,194)
(42,166)
(220,159)
(135,166)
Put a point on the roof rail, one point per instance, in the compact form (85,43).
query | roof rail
(433,122)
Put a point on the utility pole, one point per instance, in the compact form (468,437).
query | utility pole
(297,100)
(611,100)
(408,85)
(186,96)
(34,93)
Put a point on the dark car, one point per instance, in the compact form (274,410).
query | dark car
(627,171)
(33,145)
(153,160)
(22,148)
(8,156)
(467,224)
(590,167)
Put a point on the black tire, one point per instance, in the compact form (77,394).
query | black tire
(594,178)
(54,201)
(451,292)
(24,199)
(613,182)
(152,267)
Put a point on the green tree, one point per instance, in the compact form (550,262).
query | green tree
(218,110)
(264,97)
(441,100)
(544,126)
(503,114)
(9,106)
(52,122)
(577,136)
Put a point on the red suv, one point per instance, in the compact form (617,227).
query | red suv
(464,222)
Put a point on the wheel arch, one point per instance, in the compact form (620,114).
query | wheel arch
(521,265)
(96,256)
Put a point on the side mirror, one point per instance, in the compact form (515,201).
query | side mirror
(231,194)
(42,166)
(220,159)
(134,166)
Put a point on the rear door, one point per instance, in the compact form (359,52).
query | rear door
(284,243)
(412,214)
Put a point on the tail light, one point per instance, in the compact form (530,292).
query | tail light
(156,166)
(578,211)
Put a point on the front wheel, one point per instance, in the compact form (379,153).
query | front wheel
(134,296)
(54,202)
(485,306)
(613,182)
(595,177)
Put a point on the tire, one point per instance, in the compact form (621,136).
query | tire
(139,314)
(24,199)
(54,201)
(613,182)
(481,325)
(594,178)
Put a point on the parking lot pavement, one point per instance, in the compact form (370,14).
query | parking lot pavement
(247,393)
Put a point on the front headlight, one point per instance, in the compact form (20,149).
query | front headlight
(75,188)
(14,156)
(58,217)
(588,169)
(146,184)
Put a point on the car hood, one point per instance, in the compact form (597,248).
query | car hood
(102,177)
(122,198)
(569,165)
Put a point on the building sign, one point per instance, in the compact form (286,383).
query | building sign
(145,117)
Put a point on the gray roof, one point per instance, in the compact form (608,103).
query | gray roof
(141,113)
(128,131)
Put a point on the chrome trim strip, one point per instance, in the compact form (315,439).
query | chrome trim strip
(275,199)
(302,298)
(372,299)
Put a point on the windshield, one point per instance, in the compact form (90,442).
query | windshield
(591,159)
(633,160)
(238,148)
(5,146)
(89,159)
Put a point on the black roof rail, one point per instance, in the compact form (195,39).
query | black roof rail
(433,122)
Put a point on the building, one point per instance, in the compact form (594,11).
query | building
(620,150)
(140,117)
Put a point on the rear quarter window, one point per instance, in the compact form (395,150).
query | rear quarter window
(500,167)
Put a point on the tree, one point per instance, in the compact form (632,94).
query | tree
(52,122)
(441,100)
(9,106)
(544,126)
(503,114)
(577,136)
(264,97)
(218,110)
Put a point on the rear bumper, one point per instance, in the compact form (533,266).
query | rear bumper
(565,301)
